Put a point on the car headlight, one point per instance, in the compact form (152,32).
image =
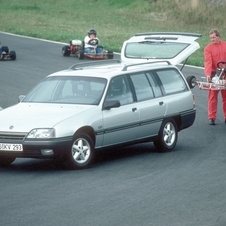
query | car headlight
(41,133)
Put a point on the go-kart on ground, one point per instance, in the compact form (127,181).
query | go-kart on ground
(76,48)
(5,54)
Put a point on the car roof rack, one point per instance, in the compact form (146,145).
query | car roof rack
(144,63)
(79,66)
(170,33)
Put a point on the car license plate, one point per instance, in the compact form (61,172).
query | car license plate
(11,147)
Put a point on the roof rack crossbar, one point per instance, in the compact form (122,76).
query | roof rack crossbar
(151,62)
(93,63)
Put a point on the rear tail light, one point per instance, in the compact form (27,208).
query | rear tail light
(193,99)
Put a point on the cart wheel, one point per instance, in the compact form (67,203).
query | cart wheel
(5,49)
(110,55)
(66,51)
(191,80)
(81,55)
(167,137)
(12,55)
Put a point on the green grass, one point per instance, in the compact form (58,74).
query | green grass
(114,20)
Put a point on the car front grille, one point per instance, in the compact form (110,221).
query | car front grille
(12,136)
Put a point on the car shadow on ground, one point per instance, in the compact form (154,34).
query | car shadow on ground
(102,157)
(114,154)
(129,154)
(32,165)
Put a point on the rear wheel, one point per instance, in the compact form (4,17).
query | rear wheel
(110,55)
(12,55)
(81,154)
(167,138)
(81,55)
(66,51)
(6,160)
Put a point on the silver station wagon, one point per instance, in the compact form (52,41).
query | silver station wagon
(71,114)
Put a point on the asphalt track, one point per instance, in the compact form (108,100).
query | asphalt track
(129,186)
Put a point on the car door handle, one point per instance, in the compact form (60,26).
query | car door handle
(161,103)
(134,109)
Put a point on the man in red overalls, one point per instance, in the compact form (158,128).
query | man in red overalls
(214,53)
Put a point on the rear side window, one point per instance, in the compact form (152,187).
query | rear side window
(172,81)
(142,87)
(155,85)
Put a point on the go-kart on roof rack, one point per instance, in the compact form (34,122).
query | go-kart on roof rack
(80,66)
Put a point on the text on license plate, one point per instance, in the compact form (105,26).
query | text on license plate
(11,147)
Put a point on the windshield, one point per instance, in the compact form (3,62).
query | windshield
(154,50)
(68,90)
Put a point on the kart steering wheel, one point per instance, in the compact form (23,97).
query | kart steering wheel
(221,64)
(93,42)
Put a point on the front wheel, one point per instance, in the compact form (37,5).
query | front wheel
(81,154)
(6,160)
(167,137)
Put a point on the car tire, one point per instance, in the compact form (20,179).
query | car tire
(167,137)
(5,49)
(110,55)
(66,51)
(6,160)
(81,55)
(191,80)
(81,154)
(12,55)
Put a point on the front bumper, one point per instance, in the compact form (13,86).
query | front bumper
(33,148)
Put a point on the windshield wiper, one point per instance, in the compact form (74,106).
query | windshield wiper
(147,57)
(150,42)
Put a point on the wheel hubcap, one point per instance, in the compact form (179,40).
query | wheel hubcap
(169,134)
(80,151)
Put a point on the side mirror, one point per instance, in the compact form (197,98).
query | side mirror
(111,104)
(21,97)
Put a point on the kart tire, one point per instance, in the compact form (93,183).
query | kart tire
(110,55)
(12,55)
(5,49)
(191,80)
(66,51)
(81,55)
